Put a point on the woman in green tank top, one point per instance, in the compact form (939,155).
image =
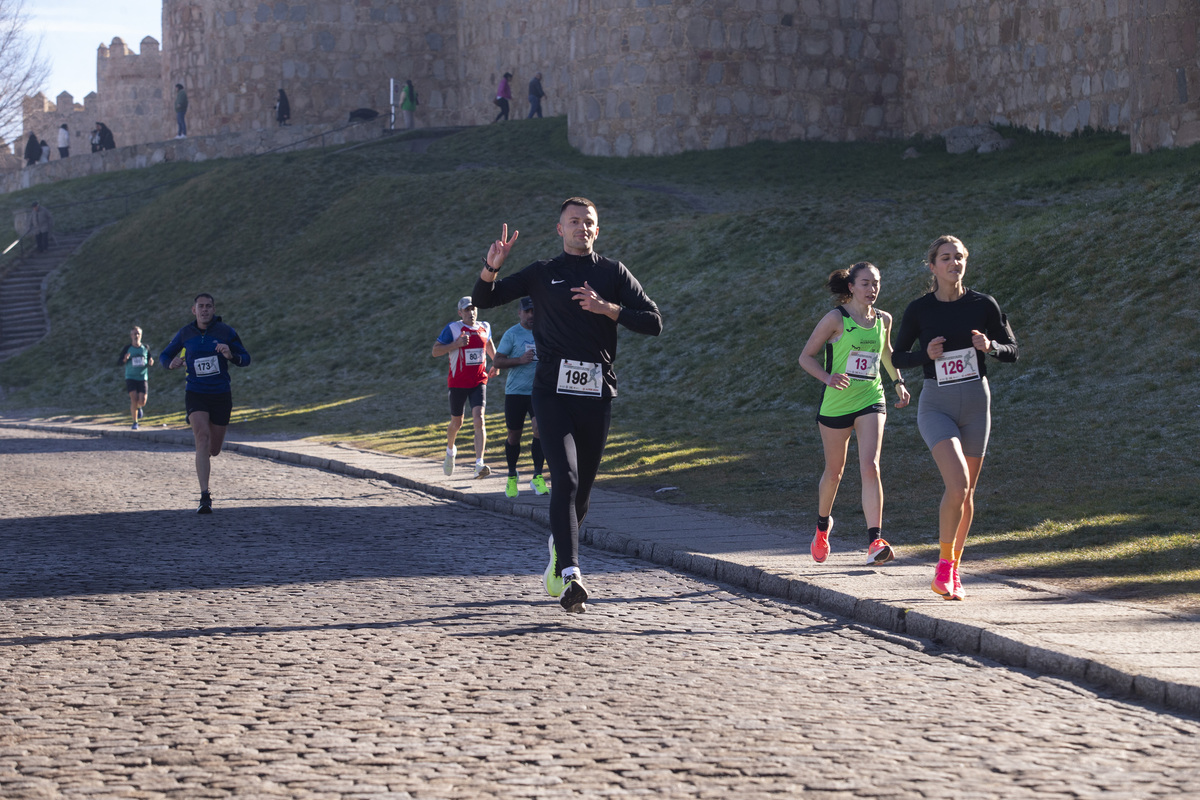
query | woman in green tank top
(854,341)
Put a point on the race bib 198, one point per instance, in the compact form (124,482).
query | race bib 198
(208,365)
(862,366)
(958,366)
(579,377)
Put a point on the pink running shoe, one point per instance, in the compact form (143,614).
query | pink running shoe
(820,544)
(943,578)
(957,590)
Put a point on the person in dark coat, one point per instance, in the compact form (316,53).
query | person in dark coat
(33,150)
(106,137)
(283,111)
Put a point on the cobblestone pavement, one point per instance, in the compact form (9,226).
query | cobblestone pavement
(325,637)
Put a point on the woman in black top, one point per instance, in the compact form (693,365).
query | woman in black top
(956,327)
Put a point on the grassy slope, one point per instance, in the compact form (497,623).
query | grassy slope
(339,269)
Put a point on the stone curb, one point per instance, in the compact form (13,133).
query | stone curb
(1112,675)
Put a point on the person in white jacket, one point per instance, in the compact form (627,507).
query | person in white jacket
(64,141)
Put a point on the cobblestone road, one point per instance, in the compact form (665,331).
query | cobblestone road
(324,637)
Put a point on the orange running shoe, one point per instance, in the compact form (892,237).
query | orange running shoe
(943,578)
(880,552)
(820,544)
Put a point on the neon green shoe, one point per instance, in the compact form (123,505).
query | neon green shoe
(538,484)
(554,581)
(510,488)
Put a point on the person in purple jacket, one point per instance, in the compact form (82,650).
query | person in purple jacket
(208,347)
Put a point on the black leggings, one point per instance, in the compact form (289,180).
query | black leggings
(574,431)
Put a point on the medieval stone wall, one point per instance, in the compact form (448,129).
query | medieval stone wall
(1165,90)
(662,76)
(234,55)
(1039,64)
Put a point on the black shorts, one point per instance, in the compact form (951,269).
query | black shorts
(219,407)
(459,398)
(847,420)
(516,408)
(137,386)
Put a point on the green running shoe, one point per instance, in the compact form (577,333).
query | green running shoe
(510,488)
(554,581)
(538,484)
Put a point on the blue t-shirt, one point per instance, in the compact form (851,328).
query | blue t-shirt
(515,342)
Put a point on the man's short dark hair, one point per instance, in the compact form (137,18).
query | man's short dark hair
(576,201)
(203,294)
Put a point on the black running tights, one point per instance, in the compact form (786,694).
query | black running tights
(573,432)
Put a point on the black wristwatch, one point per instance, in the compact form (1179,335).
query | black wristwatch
(489,267)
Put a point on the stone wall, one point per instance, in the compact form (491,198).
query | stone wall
(133,101)
(1165,90)
(193,148)
(1039,64)
(234,55)
(662,76)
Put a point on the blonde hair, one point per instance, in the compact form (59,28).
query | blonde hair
(931,254)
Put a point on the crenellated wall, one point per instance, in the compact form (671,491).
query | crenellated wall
(663,76)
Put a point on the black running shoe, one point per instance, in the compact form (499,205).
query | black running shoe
(574,595)
(205,503)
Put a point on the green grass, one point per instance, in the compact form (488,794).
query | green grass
(339,269)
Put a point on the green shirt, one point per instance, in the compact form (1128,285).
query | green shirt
(859,354)
(137,368)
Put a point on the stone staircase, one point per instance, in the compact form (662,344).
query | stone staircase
(23,321)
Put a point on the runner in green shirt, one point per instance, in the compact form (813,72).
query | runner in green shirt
(855,341)
(137,361)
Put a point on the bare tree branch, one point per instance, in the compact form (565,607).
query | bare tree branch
(23,70)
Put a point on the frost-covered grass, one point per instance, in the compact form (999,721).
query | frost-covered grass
(339,269)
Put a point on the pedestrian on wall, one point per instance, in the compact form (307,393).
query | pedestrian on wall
(64,141)
(41,222)
(535,96)
(503,95)
(95,138)
(33,150)
(106,137)
(408,103)
(181,104)
(283,111)
(45,157)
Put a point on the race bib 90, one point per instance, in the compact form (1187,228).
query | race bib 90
(208,365)
(580,378)
(958,366)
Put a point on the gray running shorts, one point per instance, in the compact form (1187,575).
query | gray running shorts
(959,411)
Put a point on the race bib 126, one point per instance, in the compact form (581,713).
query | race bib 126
(958,366)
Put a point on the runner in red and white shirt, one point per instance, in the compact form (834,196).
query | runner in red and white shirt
(469,345)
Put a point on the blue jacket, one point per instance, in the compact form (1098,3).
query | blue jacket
(207,370)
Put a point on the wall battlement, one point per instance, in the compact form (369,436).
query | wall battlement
(652,77)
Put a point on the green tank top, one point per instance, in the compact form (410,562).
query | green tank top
(858,353)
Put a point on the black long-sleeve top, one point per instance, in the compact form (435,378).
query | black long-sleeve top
(926,318)
(561,329)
